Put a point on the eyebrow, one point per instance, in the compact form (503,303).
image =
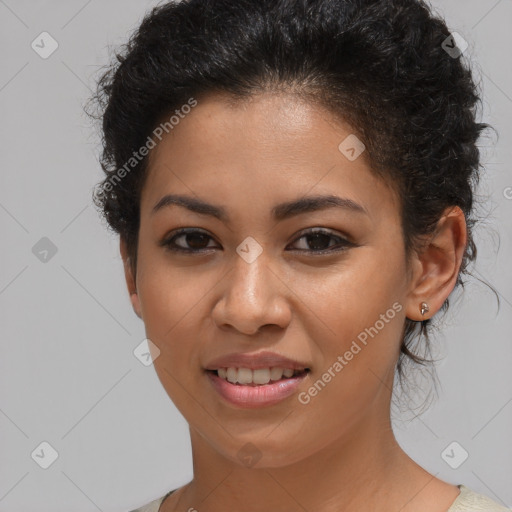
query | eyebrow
(279,212)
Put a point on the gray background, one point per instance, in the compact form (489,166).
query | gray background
(68,375)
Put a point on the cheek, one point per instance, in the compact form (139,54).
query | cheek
(359,350)
(168,301)
(168,312)
(168,297)
(352,295)
(362,307)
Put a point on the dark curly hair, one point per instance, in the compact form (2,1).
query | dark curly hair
(380,65)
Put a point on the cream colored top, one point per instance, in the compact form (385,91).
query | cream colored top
(467,501)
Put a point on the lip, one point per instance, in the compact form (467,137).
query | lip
(256,361)
(251,397)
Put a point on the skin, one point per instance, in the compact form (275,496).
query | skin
(338,452)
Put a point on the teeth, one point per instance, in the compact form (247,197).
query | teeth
(232,375)
(260,376)
(276,373)
(244,376)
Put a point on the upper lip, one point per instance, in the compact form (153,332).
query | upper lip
(255,361)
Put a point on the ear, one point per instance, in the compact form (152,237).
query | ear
(130,278)
(436,268)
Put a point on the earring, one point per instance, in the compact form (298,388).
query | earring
(424,308)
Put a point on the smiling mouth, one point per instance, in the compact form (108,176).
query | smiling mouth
(260,377)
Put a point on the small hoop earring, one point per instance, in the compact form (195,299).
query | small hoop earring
(424,308)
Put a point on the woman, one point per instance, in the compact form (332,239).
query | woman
(237,137)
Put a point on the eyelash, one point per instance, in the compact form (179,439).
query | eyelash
(169,242)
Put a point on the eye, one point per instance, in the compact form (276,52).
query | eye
(194,238)
(319,240)
(196,241)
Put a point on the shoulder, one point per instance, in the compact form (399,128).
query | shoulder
(467,501)
(154,505)
(150,507)
(470,501)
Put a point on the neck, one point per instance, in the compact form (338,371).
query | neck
(364,469)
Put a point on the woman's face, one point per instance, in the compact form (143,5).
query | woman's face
(260,283)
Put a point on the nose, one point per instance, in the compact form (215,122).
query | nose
(253,296)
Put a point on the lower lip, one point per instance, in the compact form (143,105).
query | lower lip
(250,397)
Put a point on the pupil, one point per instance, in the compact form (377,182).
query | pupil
(200,236)
(316,237)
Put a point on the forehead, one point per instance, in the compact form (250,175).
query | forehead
(270,147)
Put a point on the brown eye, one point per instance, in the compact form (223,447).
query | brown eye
(195,241)
(191,240)
(319,241)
